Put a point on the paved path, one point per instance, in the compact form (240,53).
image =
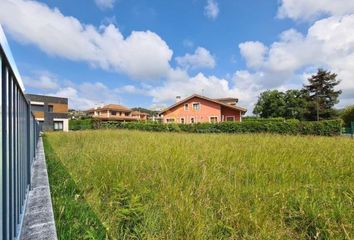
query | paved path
(39,218)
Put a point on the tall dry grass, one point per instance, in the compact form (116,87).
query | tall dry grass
(145,185)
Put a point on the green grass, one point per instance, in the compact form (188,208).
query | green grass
(144,185)
(73,215)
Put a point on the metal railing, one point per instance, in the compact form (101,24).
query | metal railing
(19,136)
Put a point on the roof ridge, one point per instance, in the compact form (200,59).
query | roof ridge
(205,98)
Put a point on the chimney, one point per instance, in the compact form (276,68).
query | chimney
(178,98)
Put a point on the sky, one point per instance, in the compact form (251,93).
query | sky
(144,53)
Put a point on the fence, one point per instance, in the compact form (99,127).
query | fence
(348,130)
(19,135)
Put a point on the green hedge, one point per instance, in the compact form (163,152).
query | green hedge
(258,119)
(290,127)
(82,124)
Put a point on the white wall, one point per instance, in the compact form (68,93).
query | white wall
(65,123)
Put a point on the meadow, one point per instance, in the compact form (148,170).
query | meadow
(123,184)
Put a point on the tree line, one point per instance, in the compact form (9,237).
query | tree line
(314,101)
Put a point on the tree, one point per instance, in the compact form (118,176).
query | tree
(348,115)
(290,105)
(270,104)
(322,95)
(295,104)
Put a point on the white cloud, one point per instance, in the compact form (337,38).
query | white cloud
(313,9)
(211,10)
(329,43)
(179,83)
(81,95)
(141,55)
(201,58)
(254,52)
(41,80)
(247,88)
(105,4)
(86,95)
(75,100)
(130,89)
(208,86)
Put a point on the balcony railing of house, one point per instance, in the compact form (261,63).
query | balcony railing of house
(19,136)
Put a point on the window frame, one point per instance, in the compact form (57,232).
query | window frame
(60,123)
(190,120)
(186,107)
(217,119)
(194,103)
(233,118)
(168,120)
(50,108)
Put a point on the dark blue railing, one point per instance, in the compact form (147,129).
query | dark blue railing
(19,136)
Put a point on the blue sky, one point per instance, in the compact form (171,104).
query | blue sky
(145,52)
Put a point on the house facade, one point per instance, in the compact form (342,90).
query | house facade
(115,112)
(201,109)
(50,112)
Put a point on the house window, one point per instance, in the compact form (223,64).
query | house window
(114,113)
(182,120)
(230,118)
(213,119)
(170,120)
(186,107)
(196,106)
(58,126)
(50,108)
(192,120)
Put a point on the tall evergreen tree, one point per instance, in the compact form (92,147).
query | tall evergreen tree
(322,95)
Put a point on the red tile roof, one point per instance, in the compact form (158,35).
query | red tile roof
(114,107)
(139,113)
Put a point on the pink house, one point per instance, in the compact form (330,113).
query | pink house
(199,109)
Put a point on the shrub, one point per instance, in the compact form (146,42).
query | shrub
(348,116)
(289,127)
(81,124)
(259,119)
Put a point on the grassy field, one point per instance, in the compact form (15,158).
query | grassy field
(119,184)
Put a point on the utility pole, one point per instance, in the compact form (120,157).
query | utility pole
(318,108)
(318,104)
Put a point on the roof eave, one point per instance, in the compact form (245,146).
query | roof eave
(206,98)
